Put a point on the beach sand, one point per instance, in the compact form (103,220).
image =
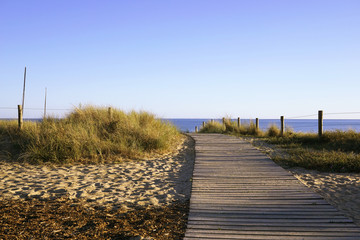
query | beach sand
(342,190)
(124,185)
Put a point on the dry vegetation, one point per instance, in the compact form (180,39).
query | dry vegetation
(70,219)
(88,134)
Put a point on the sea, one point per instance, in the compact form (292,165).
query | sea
(297,125)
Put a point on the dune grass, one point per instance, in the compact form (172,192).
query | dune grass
(231,127)
(335,151)
(88,134)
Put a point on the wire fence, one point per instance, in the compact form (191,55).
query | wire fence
(301,123)
(32,112)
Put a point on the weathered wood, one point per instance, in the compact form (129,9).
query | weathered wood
(228,217)
(238,122)
(320,123)
(257,124)
(308,233)
(239,193)
(282,125)
(110,112)
(194,236)
(264,212)
(326,228)
(20,116)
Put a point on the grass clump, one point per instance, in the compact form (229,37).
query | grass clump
(88,134)
(213,127)
(321,160)
(344,141)
(230,127)
(273,131)
(335,151)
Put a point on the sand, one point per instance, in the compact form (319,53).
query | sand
(123,185)
(342,190)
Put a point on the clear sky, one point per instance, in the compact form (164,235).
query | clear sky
(182,59)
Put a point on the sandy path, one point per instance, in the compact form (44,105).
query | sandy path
(125,185)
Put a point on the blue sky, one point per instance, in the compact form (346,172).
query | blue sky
(190,59)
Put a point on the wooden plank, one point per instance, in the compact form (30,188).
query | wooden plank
(282,228)
(195,236)
(192,223)
(242,196)
(262,212)
(264,207)
(235,218)
(239,193)
(254,202)
(290,233)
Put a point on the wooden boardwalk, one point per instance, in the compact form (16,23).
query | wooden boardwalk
(239,193)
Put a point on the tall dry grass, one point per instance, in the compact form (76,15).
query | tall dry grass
(88,134)
(230,127)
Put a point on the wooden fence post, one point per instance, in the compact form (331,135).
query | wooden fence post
(257,124)
(196,129)
(20,116)
(238,122)
(110,112)
(282,125)
(320,122)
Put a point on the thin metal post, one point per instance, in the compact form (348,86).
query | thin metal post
(282,125)
(45,103)
(23,98)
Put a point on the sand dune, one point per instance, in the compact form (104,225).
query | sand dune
(125,185)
